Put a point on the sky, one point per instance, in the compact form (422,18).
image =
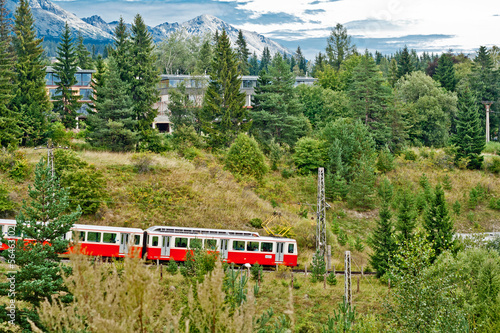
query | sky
(384,25)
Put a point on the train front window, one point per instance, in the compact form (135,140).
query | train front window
(181,242)
(266,247)
(109,238)
(154,241)
(211,244)
(253,246)
(290,248)
(195,243)
(239,245)
(137,239)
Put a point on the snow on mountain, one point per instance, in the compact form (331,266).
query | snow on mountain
(50,20)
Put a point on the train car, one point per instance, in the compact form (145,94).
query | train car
(233,246)
(8,230)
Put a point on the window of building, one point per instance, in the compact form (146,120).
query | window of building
(93,237)
(86,94)
(266,247)
(108,237)
(181,242)
(239,245)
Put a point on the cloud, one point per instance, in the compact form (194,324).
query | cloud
(314,11)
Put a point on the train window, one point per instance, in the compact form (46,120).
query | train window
(93,236)
(239,245)
(211,244)
(81,236)
(266,247)
(290,248)
(155,241)
(253,246)
(181,242)
(108,237)
(137,239)
(195,243)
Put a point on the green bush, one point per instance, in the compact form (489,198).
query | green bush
(256,223)
(492,148)
(57,132)
(256,271)
(172,267)
(493,165)
(287,173)
(342,238)
(410,155)
(186,136)
(20,171)
(331,279)
(6,205)
(143,162)
(318,267)
(385,160)
(246,158)
(309,155)
(153,141)
(495,203)
(190,153)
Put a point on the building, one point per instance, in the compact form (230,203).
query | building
(195,87)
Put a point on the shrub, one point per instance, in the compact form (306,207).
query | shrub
(287,173)
(493,165)
(186,136)
(256,223)
(143,162)
(153,141)
(20,171)
(318,267)
(57,132)
(172,267)
(6,205)
(447,183)
(495,203)
(410,155)
(457,208)
(385,160)
(309,155)
(246,158)
(256,271)
(331,279)
(190,153)
(342,237)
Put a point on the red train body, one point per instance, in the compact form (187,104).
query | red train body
(172,243)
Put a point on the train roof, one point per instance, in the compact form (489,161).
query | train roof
(202,231)
(106,228)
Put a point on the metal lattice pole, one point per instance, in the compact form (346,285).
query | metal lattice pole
(321,214)
(347,278)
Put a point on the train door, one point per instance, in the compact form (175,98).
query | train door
(280,250)
(165,246)
(224,243)
(124,243)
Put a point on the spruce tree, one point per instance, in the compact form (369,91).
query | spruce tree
(469,139)
(121,50)
(10,132)
(438,223)
(393,72)
(182,109)
(319,64)
(243,54)
(406,221)
(445,72)
(276,111)
(204,57)
(31,99)
(84,60)
(405,63)
(144,75)
(253,64)
(113,125)
(301,61)
(45,220)
(223,115)
(382,239)
(339,46)
(361,192)
(370,99)
(265,59)
(66,101)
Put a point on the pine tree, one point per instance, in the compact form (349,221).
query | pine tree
(382,239)
(223,115)
(66,101)
(393,72)
(253,64)
(121,50)
(265,59)
(301,61)
(204,57)
(182,109)
(405,63)
(243,54)
(45,221)
(370,99)
(84,60)
(277,113)
(438,223)
(145,76)
(361,190)
(406,221)
(319,64)
(339,46)
(113,125)
(445,72)
(469,139)
(31,99)
(10,132)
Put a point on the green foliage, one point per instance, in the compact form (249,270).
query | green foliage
(343,320)
(276,152)
(318,267)
(331,279)
(198,263)
(339,46)
(494,203)
(407,217)
(457,207)
(57,133)
(358,244)
(477,195)
(257,272)
(256,223)
(15,164)
(6,205)
(234,286)
(183,111)
(154,141)
(263,324)
(245,157)
(309,155)
(342,237)
(86,184)
(447,183)
(172,267)
(20,170)
(361,193)
(494,165)
(385,160)
(410,155)
(445,72)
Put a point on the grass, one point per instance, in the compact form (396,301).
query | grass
(492,147)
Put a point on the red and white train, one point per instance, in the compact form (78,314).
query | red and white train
(172,243)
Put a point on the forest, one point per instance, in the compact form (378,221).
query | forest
(402,138)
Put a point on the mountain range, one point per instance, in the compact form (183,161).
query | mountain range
(50,20)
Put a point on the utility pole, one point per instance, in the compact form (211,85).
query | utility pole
(347,278)
(50,154)
(487,105)
(321,214)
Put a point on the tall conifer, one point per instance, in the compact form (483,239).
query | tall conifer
(31,99)
(84,60)
(243,54)
(445,72)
